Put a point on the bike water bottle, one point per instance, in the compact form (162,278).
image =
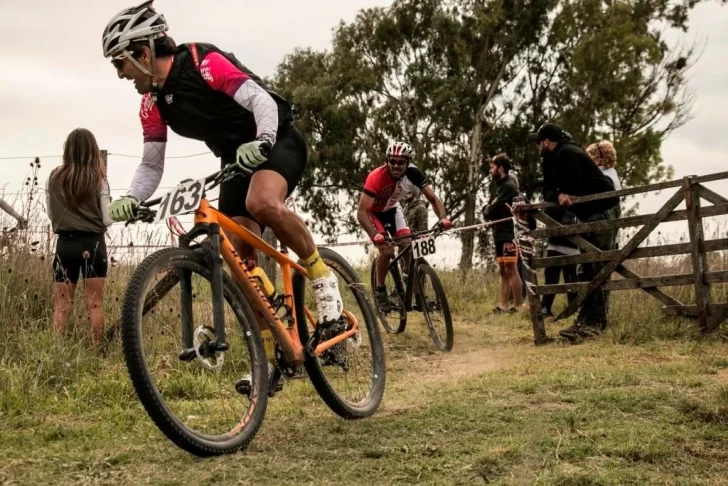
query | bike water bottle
(269,290)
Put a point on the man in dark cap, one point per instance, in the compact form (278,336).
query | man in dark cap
(569,172)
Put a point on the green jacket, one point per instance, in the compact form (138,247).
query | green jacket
(415,212)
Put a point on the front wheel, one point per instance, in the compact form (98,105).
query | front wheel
(349,376)
(394,320)
(189,391)
(435,307)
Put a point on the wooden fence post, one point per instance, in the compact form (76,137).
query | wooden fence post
(699,261)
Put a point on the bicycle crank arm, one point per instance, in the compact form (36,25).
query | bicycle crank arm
(188,355)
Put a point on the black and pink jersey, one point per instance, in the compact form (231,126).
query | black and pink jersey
(199,100)
(387,191)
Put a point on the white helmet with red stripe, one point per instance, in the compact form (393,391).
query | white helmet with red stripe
(400,149)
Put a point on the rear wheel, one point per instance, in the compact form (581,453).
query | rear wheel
(349,376)
(435,307)
(191,396)
(395,320)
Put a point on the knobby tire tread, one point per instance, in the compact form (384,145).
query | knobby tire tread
(313,367)
(144,385)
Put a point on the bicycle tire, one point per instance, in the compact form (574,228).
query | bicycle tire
(424,269)
(154,404)
(397,278)
(336,403)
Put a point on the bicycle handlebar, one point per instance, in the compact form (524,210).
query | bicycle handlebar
(145,214)
(437,229)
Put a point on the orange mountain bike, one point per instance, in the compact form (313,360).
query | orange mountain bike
(197,357)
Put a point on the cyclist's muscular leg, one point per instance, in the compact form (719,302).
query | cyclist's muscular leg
(244,250)
(266,203)
(386,253)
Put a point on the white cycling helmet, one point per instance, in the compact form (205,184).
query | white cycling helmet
(133,24)
(400,149)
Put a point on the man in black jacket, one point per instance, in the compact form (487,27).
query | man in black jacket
(506,250)
(570,172)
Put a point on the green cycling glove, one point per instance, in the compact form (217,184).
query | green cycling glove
(123,208)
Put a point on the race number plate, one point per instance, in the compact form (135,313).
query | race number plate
(423,247)
(182,199)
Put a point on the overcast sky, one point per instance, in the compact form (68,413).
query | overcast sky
(54,78)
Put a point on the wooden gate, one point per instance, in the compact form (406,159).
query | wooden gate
(692,191)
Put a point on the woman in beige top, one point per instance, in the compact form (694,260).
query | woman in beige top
(77,199)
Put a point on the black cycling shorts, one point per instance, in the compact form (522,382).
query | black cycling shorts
(288,157)
(79,253)
(506,252)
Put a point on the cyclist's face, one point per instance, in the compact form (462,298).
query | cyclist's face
(126,69)
(397,166)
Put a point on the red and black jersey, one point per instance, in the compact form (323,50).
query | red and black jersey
(387,191)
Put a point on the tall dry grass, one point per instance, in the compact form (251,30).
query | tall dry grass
(38,369)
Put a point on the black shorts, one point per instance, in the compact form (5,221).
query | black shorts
(79,253)
(506,252)
(288,157)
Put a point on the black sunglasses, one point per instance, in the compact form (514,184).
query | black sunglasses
(397,162)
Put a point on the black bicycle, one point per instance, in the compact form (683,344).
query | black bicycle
(405,293)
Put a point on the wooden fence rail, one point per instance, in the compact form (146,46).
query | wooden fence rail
(689,190)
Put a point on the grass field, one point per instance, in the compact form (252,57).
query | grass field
(645,404)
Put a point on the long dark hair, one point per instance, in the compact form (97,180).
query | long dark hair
(82,174)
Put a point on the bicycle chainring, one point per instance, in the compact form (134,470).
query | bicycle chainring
(336,355)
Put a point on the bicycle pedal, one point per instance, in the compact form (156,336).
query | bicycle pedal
(188,355)
(275,384)
(242,386)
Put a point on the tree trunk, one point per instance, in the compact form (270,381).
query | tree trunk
(468,237)
(264,261)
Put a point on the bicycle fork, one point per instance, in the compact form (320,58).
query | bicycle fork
(218,343)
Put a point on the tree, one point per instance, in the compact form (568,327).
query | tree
(460,79)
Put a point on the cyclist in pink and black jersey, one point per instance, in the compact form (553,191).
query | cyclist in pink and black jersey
(380,212)
(204,93)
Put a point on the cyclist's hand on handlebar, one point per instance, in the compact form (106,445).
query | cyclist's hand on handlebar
(379,239)
(123,209)
(250,155)
(445,224)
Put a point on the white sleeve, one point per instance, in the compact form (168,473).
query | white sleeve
(149,173)
(265,109)
(104,200)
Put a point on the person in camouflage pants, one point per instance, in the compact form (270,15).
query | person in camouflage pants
(415,211)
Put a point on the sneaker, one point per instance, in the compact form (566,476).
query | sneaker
(545,312)
(570,332)
(383,302)
(589,332)
(328,299)
(500,310)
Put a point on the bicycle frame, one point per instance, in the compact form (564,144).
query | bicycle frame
(411,268)
(210,221)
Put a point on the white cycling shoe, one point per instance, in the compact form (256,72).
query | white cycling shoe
(329,305)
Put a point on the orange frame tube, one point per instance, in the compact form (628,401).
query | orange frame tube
(288,340)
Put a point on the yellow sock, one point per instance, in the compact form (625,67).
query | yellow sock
(315,266)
